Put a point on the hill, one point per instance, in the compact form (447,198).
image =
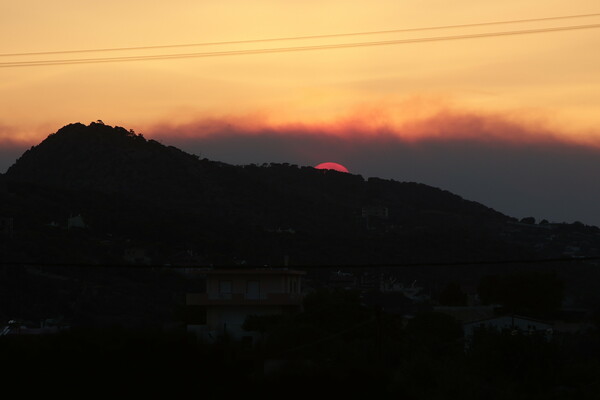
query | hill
(142,201)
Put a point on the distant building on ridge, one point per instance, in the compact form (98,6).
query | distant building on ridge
(75,222)
(375,211)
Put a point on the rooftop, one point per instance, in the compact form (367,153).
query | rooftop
(251,271)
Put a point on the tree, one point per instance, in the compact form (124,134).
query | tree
(517,364)
(534,293)
(452,295)
(434,334)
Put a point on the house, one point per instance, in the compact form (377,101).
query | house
(186,261)
(46,327)
(137,255)
(413,292)
(393,303)
(511,323)
(232,294)
(75,221)
(340,279)
(375,211)
(468,314)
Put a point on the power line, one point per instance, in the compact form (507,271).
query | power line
(319,266)
(73,61)
(309,37)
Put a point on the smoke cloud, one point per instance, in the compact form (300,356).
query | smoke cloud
(518,166)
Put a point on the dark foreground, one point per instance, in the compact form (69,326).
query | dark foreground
(355,352)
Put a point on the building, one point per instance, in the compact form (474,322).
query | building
(467,315)
(343,280)
(514,324)
(231,295)
(412,292)
(46,327)
(375,211)
(75,221)
(137,255)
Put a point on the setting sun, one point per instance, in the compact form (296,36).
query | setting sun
(332,165)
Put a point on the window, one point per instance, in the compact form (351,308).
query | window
(225,289)
(293,285)
(252,289)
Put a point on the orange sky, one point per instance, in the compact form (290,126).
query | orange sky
(550,77)
(374,109)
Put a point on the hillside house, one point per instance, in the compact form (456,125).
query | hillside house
(45,327)
(137,255)
(512,323)
(231,295)
(412,292)
(469,314)
(375,211)
(75,221)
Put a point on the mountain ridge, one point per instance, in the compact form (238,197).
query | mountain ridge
(50,161)
(166,199)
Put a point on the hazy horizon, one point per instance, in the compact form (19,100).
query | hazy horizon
(495,102)
(545,178)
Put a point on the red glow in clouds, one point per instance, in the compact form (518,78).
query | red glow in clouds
(332,165)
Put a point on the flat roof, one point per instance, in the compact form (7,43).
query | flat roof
(252,271)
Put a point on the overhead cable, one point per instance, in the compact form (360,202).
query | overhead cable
(37,63)
(309,37)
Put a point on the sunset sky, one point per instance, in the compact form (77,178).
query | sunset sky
(512,121)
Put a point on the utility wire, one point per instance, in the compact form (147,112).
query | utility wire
(320,266)
(290,49)
(39,53)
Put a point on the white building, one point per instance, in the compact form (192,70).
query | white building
(512,323)
(233,294)
(75,221)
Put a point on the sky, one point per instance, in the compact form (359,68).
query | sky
(507,119)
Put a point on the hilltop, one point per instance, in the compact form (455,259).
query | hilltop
(173,207)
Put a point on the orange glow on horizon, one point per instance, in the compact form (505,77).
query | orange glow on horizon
(463,89)
(409,121)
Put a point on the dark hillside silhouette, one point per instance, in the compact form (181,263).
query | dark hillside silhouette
(95,219)
(134,192)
